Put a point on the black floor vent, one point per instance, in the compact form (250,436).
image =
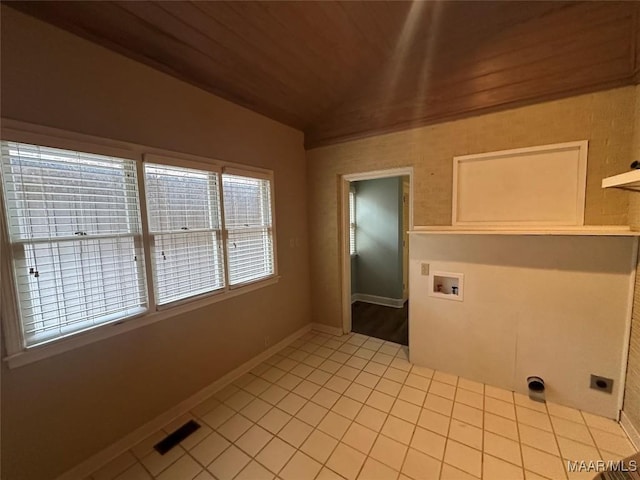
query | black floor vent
(174,438)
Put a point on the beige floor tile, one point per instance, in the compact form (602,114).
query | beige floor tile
(156,463)
(364,353)
(337,384)
(348,373)
(453,473)
(319,446)
(540,439)
(412,395)
(253,440)
(502,447)
(300,467)
(229,464)
(465,458)
(115,467)
(227,391)
(312,413)
(576,451)
(291,403)
(445,378)
(274,455)
(533,476)
(390,348)
(572,430)
(564,412)
(256,409)
(501,426)
(295,432)
(255,471)
(302,370)
(425,372)
(313,361)
(325,397)
(135,472)
(496,469)
(543,463)
(204,475)
(346,461)
(442,389)
(357,362)
(612,442)
(396,375)
(419,466)
(205,407)
(208,449)
(525,401)
(534,419)
(334,425)
(389,452)
(286,364)
(429,442)
(218,416)
(330,366)
(306,389)
(438,404)
(257,386)
(357,392)
(185,468)
(374,470)
(367,379)
(372,344)
(347,407)
(433,421)
(375,368)
(381,401)
(273,394)
(498,393)
(601,423)
(499,407)
(234,427)
(406,411)
(289,382)
(348,349)
(382,359)
(471,386)
(472,399)
(401,362)
(388,386)
(398,429)
(416,381)
(466,434)
(326,474)
(359,437)
(371,417)
(467,414)
(319,377)
(274,420)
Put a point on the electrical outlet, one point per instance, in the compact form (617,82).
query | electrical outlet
(267,340)
(601,383)
(424,269)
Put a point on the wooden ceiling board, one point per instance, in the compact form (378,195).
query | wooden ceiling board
(340,70)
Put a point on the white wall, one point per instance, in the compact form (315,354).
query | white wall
(557,307)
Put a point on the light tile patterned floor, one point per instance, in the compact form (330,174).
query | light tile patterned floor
(353,407)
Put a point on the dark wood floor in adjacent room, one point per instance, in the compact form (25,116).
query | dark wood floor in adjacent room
(387,323)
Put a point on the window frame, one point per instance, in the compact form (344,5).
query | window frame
(16,353)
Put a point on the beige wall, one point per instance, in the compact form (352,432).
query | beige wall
(604,118)
(58,411)
(632,391)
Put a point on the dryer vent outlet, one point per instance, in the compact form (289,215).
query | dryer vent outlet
(536,388)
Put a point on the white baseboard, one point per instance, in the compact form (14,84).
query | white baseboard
(631,430)
(327,329)
(100,459)
(376,300)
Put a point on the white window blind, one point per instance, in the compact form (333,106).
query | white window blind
(74,227)
(248,227)
(183,206)
(352,222)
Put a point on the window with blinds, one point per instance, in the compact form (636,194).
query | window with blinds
(183,206)
(248,227)
(352,222)
(74,227)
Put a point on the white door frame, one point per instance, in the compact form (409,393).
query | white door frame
(345,183)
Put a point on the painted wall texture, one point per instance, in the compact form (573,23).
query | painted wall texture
(603,118)
(63,409)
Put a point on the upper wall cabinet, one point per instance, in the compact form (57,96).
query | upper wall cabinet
(542,185)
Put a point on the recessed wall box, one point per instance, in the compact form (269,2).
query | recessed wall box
(447,285)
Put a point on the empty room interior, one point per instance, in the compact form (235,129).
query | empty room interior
(390,240)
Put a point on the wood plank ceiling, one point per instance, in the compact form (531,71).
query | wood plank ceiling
(343,70)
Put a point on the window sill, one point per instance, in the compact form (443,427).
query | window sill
(121,326)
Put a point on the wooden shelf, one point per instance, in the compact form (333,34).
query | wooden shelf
(628,181)
(587,230)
